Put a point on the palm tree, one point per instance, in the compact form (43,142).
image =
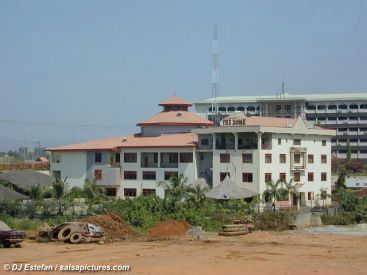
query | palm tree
(291,190)
(197,194)
(59,188)
(92,191)
(324,195)
(273,191)
(177,191)
(36,192)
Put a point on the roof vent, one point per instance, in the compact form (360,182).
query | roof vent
(124,139)
(179,114)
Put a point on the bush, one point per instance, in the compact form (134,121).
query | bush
(343,218)
(21,223)
(272,221)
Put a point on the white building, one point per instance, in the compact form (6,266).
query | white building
(346,112)
(254,150)
(250,150)
(135,164)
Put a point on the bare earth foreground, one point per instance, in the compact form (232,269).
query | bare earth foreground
(255,253)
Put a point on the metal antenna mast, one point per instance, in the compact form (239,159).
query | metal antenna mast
(215,78)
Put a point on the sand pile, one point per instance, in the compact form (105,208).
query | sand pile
(168,228)
(115,228)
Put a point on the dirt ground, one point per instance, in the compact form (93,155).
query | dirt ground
(255,253)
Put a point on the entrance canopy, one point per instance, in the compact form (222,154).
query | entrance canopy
(229,190)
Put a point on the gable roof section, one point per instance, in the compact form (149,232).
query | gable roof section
(26,178)
(176,118)
(132,141)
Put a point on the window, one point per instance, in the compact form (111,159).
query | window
(130,175)
(149,175)
(246,177)
(97,157)
(169,174)
(323,142)
(296,142)
(130,157)
(204,141)
(147,192)
(310,158)
(98,174)
(323,158)
(267,177)
(111,192)
(247,158)
(130,192)
(282,158)
(282,176)
(267,158)
(310,196)
(186,157)
(310,176)
(224,158)
(279,141)
(323,176)
(297,158)
(297,176)
(117,157)
(222,176)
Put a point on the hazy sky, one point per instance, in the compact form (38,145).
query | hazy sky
(111,62)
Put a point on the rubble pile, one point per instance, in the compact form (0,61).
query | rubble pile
(114,227)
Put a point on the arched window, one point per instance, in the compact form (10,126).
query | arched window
(222,109)
(311,107)
(321,107)
(241,109)
(250,109)
(231,109)
(363,106)
(332,107)
(353,106)
(343,107)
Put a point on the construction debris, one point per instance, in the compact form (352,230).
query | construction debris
(114,227)
(168,228)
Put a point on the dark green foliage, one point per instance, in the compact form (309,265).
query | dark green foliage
(272,221)
(347,200)
(343,218)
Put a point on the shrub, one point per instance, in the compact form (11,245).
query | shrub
(344,218)
(272,221)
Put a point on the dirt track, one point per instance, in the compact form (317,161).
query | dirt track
(256,253)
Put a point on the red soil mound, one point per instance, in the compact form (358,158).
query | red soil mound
(168,228)
(113,225)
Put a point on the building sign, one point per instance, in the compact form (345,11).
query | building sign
(234,121)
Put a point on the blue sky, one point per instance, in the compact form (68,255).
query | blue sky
(111,62)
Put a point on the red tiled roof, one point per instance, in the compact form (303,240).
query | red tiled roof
(174,100)
(270,121)
(110,144)
(174,118)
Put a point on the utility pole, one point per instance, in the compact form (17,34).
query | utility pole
(215,78)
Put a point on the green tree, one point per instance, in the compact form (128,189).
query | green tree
(324,194)
(343,173)
(59,188)
(291,190)
(274,191)
(349,151)
(176,190)
(93,192)
(36,192)
(197,195)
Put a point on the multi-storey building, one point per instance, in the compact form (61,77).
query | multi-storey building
(250,150)
(254,150)
(128,166)
(347,113)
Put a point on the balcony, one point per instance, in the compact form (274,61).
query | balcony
(169,160)
(149,160)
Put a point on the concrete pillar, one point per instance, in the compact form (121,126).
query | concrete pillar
(235,141)
(214,141)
